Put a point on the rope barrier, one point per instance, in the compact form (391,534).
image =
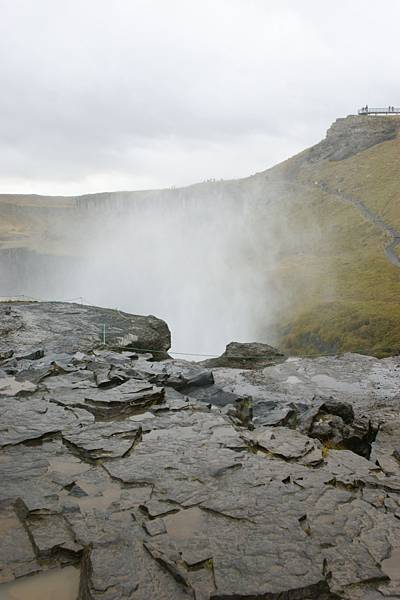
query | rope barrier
(84,301)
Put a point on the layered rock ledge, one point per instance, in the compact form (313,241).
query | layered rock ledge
(353,134)
(165,480)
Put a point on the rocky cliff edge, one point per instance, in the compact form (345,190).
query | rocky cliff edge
(165,480)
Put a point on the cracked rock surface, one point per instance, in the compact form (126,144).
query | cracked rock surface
(63,327)
(154,478)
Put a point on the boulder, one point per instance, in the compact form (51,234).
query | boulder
(33,329)
(252,355)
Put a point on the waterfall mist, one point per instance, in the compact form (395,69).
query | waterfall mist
(200,265)
(210,259)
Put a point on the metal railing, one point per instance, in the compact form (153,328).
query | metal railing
(387,110)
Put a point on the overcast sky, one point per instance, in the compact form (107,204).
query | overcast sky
(129,94)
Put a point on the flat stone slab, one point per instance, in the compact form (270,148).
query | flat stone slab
(68,327)
(288,444)
(17,556)
(124,400)
(254,355)
(140,474)
(26,420)
(9,386)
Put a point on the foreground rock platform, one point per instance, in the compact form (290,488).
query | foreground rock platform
(254,355)
(155,480)
(57,327)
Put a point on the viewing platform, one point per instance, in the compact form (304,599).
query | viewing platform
(387,110)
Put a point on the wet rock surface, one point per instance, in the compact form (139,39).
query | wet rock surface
(30,329)
(168,480)
(254,355)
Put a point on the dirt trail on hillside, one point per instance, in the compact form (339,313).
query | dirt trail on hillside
(376,220)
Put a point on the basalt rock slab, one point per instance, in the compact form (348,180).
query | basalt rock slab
(162,482)
(343,400)
(55,327)
(129,398)
(9,386)
(178,374)
(189,379)
(103,439)
(119,566)
(252,355)
(361,381)
(17,556)
(288,444)
(385,448)
(30,419)
(51,535)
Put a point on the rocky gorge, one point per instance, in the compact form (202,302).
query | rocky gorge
(126,474)
(303,255)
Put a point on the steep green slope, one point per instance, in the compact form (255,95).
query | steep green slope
(352,300)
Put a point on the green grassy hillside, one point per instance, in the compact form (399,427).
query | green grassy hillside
(348,293)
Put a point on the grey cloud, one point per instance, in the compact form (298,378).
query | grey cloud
(96,91)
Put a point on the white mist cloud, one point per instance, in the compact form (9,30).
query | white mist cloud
(197,262)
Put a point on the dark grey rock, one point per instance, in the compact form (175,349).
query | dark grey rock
(108,377)
(288,444)
(178,374)
(166,495)
(334,424)
(252,355)
(10,386)
(123,568)
(26,420)
(385,451)
(17,556)
(155,527)
(109,439)
(51,534)
(6,354)
(344,410)
(35,355)
(64,327)
(129,398)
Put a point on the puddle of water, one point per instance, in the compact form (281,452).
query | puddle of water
(142,416)
(71,467)
(98,497)
(56,584)
(292,379)
(391,566)
(185,523)
(335,384)
(9,386)
(7,524)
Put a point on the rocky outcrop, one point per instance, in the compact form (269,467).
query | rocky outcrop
(59,327)
(353,134)
(253,355)
(144,474)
